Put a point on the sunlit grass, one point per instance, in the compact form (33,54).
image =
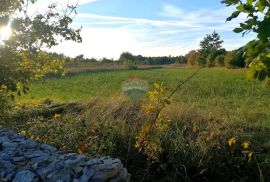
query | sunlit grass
(221,92)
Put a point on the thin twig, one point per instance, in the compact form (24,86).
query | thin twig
(169,97)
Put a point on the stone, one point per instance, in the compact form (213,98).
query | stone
(48,148)
(93,162)
(3,139)
(59,175)
(32,154)
(7,170)
(4,156)
(88,173)
(19,139)
(29,144)
(26,176)
(8,145)
(18,159)
(74,161)
(41,160)
(45,171)
(77,171)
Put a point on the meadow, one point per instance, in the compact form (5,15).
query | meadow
(216,126)
(218,91)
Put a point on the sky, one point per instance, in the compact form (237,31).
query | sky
(146,27)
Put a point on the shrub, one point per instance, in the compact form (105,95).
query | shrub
(191,57)
(5,103)
(210,60)
(220,60)
(202,57)
(234,59)
(193,146)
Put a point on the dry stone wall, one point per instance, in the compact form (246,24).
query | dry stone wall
(22,160)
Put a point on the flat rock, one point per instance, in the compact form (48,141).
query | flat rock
(26,176)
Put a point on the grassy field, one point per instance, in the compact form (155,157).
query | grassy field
(200,135)
(220,92)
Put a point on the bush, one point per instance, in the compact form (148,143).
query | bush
(202,57)
(210,60)
(5,103)
(191,57)
(220,60)
(194,146)
(234,59)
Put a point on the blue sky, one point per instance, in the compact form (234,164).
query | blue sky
(147,27)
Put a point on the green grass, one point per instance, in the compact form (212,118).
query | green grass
(217,91)
(209,110)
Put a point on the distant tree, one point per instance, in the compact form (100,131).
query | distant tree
(126,58)
(191,57)
(210,44)
(202,56)
(179,60)
(257,21)
(79,58)
(106,61)
(211,58)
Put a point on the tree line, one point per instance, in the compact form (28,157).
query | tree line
(212,54)
(126,58)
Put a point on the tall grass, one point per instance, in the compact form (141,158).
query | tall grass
(216,106)
(217,91)
(193,148)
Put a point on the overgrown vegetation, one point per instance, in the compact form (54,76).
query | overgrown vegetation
(195,144)
(203,139)
(214,127)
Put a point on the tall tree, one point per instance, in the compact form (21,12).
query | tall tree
(210,44)
(257,21)
(21,55)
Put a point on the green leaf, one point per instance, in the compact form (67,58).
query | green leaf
(234,15)
(245,8)
(263,29)
(251,74)
(238,30)
(250,2)
(261,5)
(240,7)
(230,2)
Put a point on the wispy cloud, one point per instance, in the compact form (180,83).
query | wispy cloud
(198,15)
(171,11)
(81,2)
(138,21)
(173,31)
